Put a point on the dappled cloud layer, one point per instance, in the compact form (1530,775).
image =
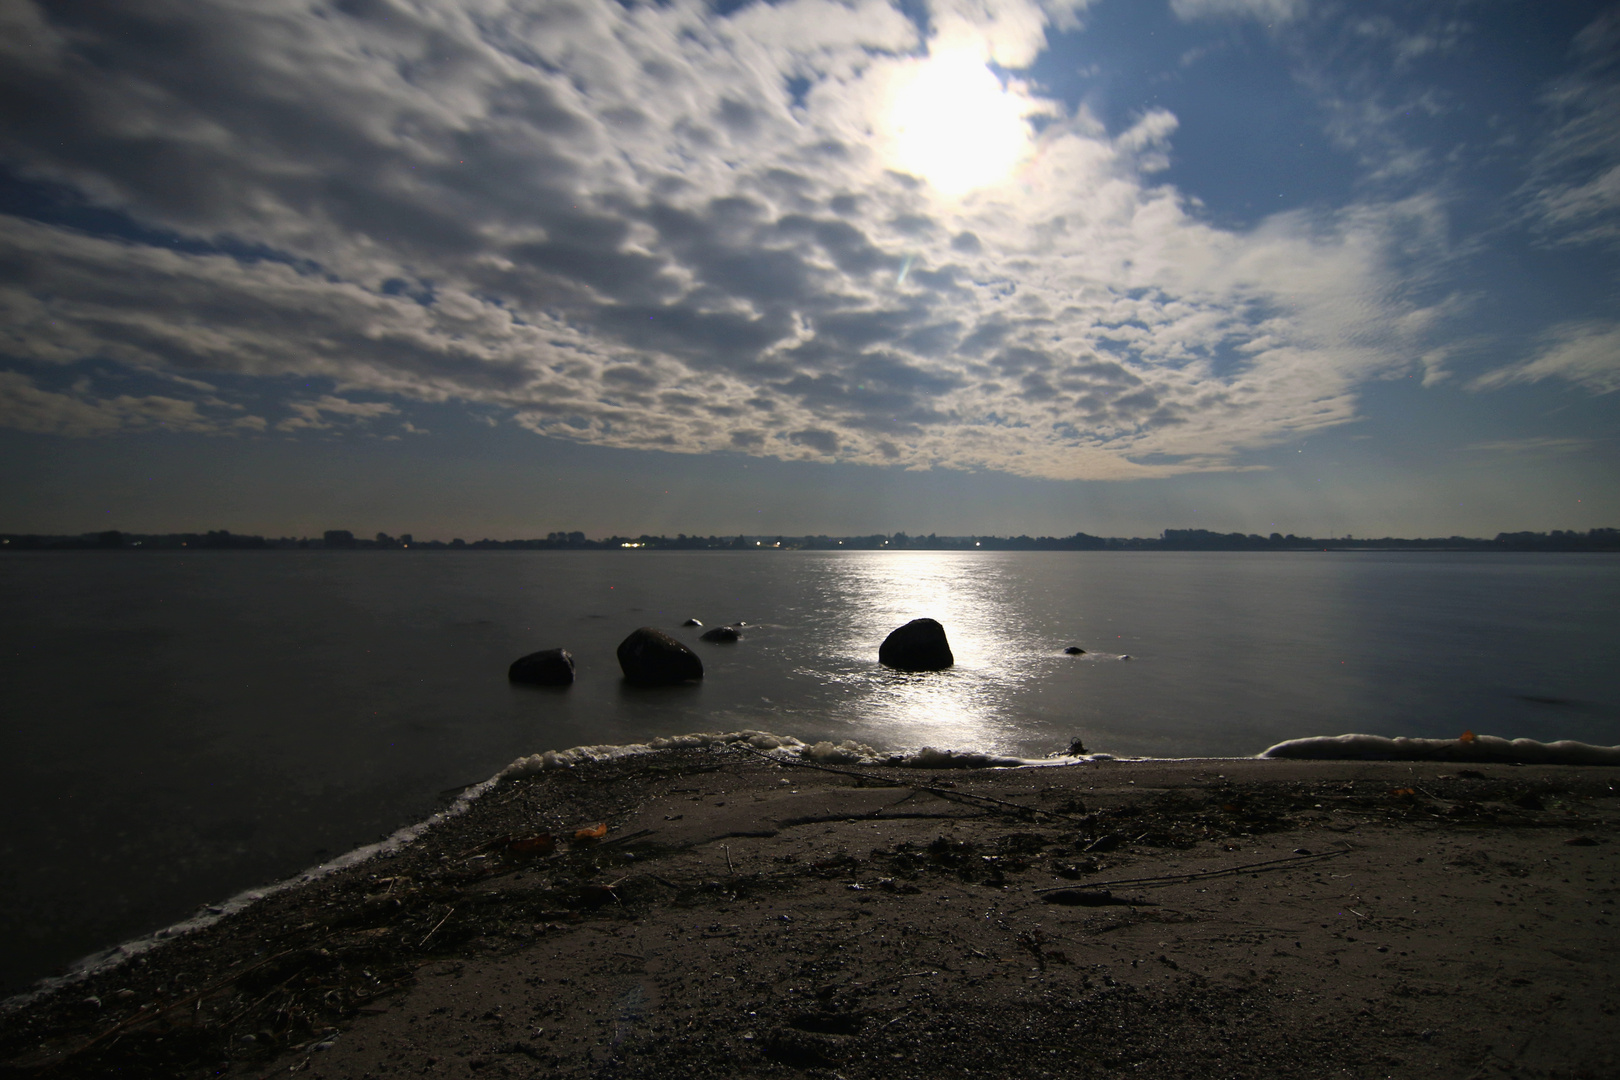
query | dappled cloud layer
(662,227)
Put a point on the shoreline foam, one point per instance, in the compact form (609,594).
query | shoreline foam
(1468,748)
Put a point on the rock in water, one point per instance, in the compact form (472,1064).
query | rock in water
(651,657)
(726,635)
(919,645)
(549,667)
(1074,650)
(691,622)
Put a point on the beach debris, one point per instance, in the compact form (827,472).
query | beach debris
(803,1049)
(595,896)
(650,657)
(549,667)
(1284,863)
(1074,871)
(721,635)
(1081,898)
(539,844)
(590,834)
(920,645)
(1105,843)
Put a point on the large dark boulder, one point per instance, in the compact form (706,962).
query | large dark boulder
(651,657)
(919,645)
(550,667)
(725,635)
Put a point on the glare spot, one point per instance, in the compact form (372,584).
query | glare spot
(956,126)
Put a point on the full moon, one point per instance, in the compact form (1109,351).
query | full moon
(956,127)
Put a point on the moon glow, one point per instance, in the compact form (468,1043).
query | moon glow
(957,127)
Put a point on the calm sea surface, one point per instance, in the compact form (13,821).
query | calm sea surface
(178,727)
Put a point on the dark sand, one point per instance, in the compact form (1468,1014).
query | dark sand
(745,918)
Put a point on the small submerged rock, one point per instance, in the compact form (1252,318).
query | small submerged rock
(725,635)
(1074,650)
(650,657)
(549,667)
(691,622)
(920,645)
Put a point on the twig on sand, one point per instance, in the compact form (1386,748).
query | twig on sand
(436,926)
(727,849)
(1174,879)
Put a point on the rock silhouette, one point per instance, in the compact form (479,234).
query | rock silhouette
(549,667)
(920,645)
(725,635)
(650,657)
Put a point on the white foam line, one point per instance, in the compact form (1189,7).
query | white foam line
(847,752)
(1475,748)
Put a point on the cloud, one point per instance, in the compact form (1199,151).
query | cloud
(24,406)
(1540,445)
(1574,191)
(1264,10)
(1584,353)
(657,227)
(317,415)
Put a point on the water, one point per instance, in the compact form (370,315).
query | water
(182,726)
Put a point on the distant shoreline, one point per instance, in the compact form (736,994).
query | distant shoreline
(1558,540)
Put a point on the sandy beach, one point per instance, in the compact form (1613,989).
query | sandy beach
(745,916)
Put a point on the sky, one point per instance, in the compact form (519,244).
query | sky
(501,267)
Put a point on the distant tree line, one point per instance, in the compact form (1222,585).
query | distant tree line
(1169,540)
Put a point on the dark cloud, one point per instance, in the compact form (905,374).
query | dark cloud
(847,246)
(1035,387)
(627,376)
(913,225)
(818,439)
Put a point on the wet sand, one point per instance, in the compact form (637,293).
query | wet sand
(746,917)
